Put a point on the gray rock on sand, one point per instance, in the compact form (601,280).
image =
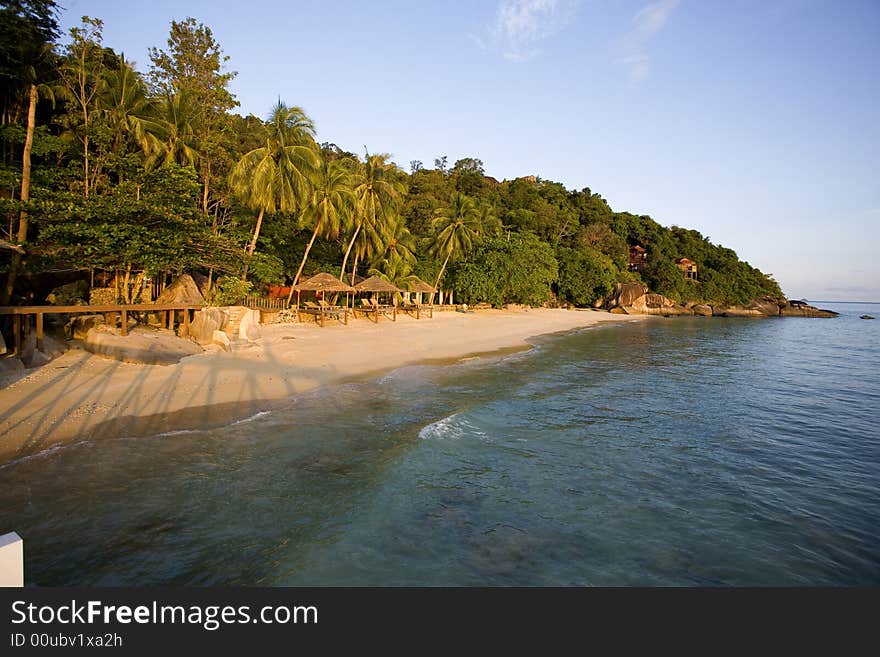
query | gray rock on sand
(702,310)
(249,328)
(142,345)
(221,340)
(625,294)
(206,322)
(80,325)
(11,370)
(182,290)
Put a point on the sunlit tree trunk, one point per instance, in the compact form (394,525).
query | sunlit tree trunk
(15,265)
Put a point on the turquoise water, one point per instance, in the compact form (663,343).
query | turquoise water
(667,452)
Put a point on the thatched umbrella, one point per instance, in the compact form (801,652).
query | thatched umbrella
(418,285)
(322,283)
(377,284)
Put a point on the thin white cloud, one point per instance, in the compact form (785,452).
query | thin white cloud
(647,22)
(520,26)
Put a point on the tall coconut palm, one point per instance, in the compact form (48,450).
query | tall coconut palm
(398,241)
(275,177)
(170,135)
(377,198)
(330,207)
(124,104)
(457,227)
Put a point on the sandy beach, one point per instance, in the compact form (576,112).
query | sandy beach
(83,396)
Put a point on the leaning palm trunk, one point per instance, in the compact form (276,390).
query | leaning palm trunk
(17,257)
(439,276)
(253,245)
(354,269)
(303,263)
(348,251)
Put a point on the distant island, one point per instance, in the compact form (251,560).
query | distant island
(134,177)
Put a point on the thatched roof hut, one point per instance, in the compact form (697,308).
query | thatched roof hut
(376,284)
(418,285)
(323,282)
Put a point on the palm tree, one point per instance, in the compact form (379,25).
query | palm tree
(123,99)
(329,209)
(170,136)
(396,270)
(275,177)
(399,241)
(377,197)
(458,227)
(31,36)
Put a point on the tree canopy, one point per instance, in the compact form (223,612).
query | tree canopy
(111,167)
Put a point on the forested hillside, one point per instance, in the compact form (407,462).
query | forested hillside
(104,167)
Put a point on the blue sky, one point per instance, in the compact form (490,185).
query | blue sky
(756,123)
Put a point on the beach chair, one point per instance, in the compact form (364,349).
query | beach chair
(334,312)
(417,309)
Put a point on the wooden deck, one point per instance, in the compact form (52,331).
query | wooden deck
(110,312)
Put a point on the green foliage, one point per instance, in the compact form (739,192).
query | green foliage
(231,291)
(164,177)
(150,222)
(520,269)
(585,275)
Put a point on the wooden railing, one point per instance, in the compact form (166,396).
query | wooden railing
(255,301)
(169,310)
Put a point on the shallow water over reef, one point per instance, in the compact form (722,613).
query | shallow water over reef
(666,452)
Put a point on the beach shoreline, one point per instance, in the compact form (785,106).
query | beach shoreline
(82,396)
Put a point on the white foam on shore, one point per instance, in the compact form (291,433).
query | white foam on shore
(452,426)
(253,417)
(45,453)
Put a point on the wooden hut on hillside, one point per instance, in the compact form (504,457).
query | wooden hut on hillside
(638,257)
(688,268)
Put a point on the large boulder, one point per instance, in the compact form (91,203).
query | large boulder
(626,293)
(103,296)
(182,290)
(11,370)
(80,325)
(72,294)
(142,345)
(205,323)
(767,306)
(737,311)
(655,304)
(249,326)
(804,310)
(221,340)
(702,310)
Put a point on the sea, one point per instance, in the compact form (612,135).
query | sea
(666,452)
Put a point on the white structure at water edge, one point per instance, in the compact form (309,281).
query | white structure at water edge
(11,560)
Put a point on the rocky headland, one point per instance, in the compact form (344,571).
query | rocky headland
(634,299)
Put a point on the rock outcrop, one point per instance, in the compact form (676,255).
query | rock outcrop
(72,294)
(142,345)
(249,326)
(79,325)
(205,322)
(182,290)
(11,370)
(804,310)
(634,299)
